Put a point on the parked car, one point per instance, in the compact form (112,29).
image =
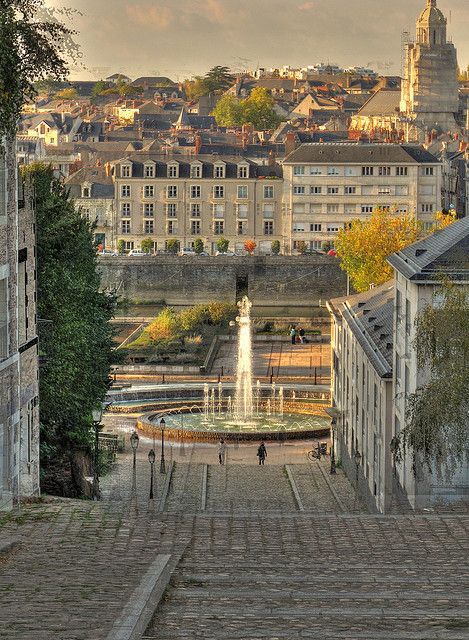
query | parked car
(188,251)
(203,253)
(227,254)
(108,252)
(137,253)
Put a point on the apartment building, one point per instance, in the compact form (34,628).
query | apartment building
(207,197)
(326,185)
(19,411)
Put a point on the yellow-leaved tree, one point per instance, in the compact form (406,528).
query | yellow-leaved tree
(364,245)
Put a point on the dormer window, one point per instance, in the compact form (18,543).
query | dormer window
(219,171)
(173,171)
(243,171)
(42,129)
(126,171)
(149,171)
(86,192)
(196,171)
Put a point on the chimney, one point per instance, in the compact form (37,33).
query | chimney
(290,142)
(198,144)
(107,166)
(272,158)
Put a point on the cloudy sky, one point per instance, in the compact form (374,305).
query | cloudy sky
(180,38)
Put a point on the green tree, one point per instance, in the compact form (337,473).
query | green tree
(302,247)
(172,246)
(34,46)
(147,245)
(437,425)
(121,246)
(78,344)
(275,247)
(196,88)
(218,79)
(99,88)
(126,90)
(223,245)
(258,110)
(228,112)
(69,93)
(198,245)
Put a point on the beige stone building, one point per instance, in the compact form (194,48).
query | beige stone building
(19,411)
(188,197)
(328,185)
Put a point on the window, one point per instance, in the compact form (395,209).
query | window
(242,192)
(315,191)
(195,191)
(173,171)
(299,227)
(427,208)
(428,171)
(299,191)
(268,211)
(126,171)
(128,245)
(172,227)
(351,171)
(402,190)
(148,191)
(367,171)
(172,191)
(268,193)
(427,190)
(126,209)
(350,191)
(171,210)
(219,171)
(242,227)
(333,171)
(149,171)
(333,227)
(125,226)
(315,171)
(148,210)
(195,210)
(316,227)
(401,209)
(218,191)
(196,171)
(408,318)
(22,301)
(298,171)
(85,192)
(401,171)
(367,208)
(350,209)
(4,346)
(315,245)
(195,227)
(384,191)
(125,191)
(242,210)
(149,226)
(332,208)
(268,228)
(332,191)
(218,227)
(384,171)
(367,190)
(218,211)
(243,171)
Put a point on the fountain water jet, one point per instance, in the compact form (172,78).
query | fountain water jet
(243,408)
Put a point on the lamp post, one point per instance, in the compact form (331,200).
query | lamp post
(162,464)
(357,457)
(151,460)
(97,417)
(333,467)
(134,440)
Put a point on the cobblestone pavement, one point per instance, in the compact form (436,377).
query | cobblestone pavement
(253,565)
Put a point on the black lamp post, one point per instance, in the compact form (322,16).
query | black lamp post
(134,440)
(97,417)
(333,467)
(151,460)
(162,464)
(357,457)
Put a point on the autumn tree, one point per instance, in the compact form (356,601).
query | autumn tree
(69,93)
(256,110)
(228,112)
(250,246)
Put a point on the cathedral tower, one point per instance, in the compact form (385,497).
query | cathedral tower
(430,87)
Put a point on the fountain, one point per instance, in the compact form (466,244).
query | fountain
(243,398)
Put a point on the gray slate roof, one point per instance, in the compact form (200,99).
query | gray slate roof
(360,153)
(382,103)
(102,186)
(444,253)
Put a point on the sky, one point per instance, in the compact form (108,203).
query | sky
(182,38)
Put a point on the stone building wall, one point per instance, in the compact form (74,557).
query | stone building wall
(268,280)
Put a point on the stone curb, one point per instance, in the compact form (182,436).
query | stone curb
(340,504)
(204,488)
(296,493)
(167,484)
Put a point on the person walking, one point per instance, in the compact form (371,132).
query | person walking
(293,335)
(301,333)
(262,453)
(222,452)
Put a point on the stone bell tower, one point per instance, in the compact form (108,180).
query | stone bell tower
(430,87)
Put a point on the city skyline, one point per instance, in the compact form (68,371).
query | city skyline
(236,33)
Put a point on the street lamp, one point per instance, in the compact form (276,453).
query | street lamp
(162,464)
(151,460)
(333,467)
(97,414)
(134,440)
(357,457)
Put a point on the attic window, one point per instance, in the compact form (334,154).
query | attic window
(420,252)
(85,192)
(371,318)
(388,346)
(361,304)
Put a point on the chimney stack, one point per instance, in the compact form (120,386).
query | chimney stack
(290,142)
(198,144)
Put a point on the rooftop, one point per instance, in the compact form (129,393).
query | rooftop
(360,153)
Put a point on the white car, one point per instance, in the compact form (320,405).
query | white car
(227,254)
(187,252)
(137,253)
(108,252)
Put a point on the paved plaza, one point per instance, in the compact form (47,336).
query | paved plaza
(281,551)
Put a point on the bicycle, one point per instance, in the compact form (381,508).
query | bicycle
(314,454)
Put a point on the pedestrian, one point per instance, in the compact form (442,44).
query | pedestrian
(221,452)
(262,453)
(301,333)
(293,335)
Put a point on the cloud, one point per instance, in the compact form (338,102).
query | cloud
(160,17)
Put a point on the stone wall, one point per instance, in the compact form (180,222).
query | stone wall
(268,280)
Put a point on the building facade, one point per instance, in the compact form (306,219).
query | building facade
(19,410)
(207,197)
(328,185)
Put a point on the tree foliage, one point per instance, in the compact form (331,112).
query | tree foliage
(70,93)
(198,245)
(77,339)
(256,110)
(217,80)
(275,247)
(250,246)
(147,245)
(223,245)
(34,46)
(172,246)
(437,424)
